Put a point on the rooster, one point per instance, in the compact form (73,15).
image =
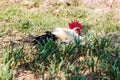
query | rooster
(69,34)
(65,35)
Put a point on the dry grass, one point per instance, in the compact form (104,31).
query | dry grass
(19,18)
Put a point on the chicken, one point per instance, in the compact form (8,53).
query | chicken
(69,34)
(64,35)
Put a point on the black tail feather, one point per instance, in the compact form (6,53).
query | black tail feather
(42,39)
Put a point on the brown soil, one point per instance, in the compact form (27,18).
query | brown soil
(23,72)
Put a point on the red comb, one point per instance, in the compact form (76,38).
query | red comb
(74,24)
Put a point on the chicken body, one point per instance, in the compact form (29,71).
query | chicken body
(66,35)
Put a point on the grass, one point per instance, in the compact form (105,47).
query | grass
(16,17)
(97,58)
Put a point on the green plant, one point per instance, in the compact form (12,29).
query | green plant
(76,61)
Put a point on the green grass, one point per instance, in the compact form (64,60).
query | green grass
(98,57)
(74,60)
(16,17)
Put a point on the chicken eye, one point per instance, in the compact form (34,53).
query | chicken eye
(77,31)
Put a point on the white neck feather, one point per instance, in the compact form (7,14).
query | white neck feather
(66,34)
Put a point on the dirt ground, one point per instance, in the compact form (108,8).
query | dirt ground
(23,74)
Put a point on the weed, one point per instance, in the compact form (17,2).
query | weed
(93,56)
